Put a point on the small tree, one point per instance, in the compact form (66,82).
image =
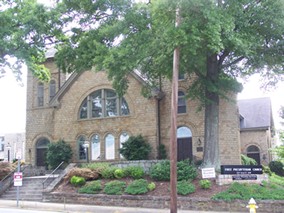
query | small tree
(58,152)
(135,148)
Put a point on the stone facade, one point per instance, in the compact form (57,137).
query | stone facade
(59,119)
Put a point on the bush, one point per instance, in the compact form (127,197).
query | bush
(247,160)
(92,187)
(137,187)
(77,181)
(186,170)
(266,170)
(277,167)
(135,148)
(205,184)
(162,152)
(184,187)
(151,186)
(115,187)
(135,172)
(58,152)
(108,172)
(161,171)
(119,173)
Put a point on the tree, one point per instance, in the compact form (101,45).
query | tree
(27,29)
(58,152)
(219,40)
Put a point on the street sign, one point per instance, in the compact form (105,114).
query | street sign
(18,179)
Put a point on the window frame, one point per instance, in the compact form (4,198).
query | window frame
(40,94)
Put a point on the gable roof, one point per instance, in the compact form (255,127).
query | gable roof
(255,113)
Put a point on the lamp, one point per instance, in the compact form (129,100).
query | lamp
(86,145)
(199,142)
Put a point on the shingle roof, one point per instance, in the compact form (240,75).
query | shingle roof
(255,113)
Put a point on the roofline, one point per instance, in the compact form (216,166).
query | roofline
(254,128)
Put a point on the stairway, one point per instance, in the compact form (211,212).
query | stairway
(31,190)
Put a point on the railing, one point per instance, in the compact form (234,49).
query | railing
(51,174)
(7,181)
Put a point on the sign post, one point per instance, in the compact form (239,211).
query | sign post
(18,177)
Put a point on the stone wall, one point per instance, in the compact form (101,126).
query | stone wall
(184,203)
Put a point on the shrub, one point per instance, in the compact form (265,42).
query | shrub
(277,167)
(108,172)
(135,172)
(186,170)
(137,187)
(77,181)
(114,187)
(266,170)
(205,184)
(161,171)
(119,173)
(135,148)
(151,186)
(92,187)
(184,187)
(247,160)
(162,152)
(58,152)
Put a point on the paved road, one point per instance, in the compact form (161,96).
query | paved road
(9,206)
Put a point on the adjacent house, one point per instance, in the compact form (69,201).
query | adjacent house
(257,129)
(12,146)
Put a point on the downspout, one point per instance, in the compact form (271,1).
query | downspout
(159,118)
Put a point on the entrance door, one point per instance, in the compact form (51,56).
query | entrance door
(41,149)
(184,144)
(254,153)
(184,149)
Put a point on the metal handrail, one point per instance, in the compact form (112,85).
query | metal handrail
(51,174)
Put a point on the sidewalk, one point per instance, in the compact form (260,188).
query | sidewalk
(61,207)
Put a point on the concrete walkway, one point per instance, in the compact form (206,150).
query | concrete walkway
(61,207)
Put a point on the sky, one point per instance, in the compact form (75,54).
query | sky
(13,101)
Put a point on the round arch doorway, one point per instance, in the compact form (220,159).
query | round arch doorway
(184,143)
(41,149)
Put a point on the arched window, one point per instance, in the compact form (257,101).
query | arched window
(109,147)
(123,137)
(184,143)
(183,132)
(96,147)
(40,94)
(41,149)
(254,153)
(181,102)
(103,103)
(52,89)
(81,150)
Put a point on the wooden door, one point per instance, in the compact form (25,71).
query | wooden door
(41,156)
(184,148)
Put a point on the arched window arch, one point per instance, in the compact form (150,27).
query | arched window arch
(109,147)
(81,150)
(183,132)
(254,153)
(181,102)
(96,147)
(40,94)
(52,89)
(103,103)
(122,138)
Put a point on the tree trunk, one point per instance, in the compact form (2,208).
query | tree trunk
(211,141)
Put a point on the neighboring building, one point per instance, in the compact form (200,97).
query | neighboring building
(257,129)
(12,145)
(85,107)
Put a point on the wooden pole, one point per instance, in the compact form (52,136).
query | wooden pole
(173,137)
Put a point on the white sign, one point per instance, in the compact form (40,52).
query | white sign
(18,155)
(208,173)
(18,179)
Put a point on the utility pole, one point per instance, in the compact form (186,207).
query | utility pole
(173,137)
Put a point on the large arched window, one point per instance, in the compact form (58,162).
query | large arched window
(109,147)
(123,137)
(184,143)
(52,89)
(81,150)
(103,103)
(96,147)
(181,102)
(40,94)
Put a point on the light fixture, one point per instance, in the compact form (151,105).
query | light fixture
(199,142)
